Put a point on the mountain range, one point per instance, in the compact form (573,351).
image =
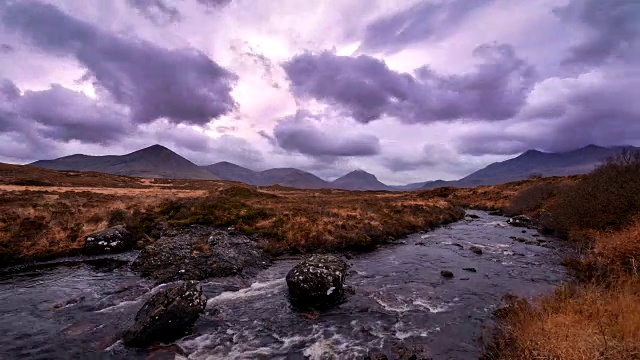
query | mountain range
(159,162)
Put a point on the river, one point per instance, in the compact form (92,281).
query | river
(77,308)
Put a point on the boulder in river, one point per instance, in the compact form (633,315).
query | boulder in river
(112,240)
(476,250)
(446,274)
(521,221)
(167,315)
(317,282)
(200,252)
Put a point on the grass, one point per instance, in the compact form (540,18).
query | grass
(598,315)
(576,322)
(38,222)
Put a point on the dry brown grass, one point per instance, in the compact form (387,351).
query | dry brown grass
(621,248)
(38,221)
(577,322)
(597,317)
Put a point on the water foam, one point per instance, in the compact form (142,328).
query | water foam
(257,288)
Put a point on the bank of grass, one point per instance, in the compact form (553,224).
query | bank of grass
(598,315)
(51,221)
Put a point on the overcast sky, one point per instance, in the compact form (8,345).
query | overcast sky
(408,90)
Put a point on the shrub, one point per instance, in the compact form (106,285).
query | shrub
(606,199)
(533,198)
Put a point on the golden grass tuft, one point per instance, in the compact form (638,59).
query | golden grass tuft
(577,322)
(621,248)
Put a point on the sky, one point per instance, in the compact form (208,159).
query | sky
(408,90)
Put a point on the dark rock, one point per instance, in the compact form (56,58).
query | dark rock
(317,282)
(476,250)
(470,269)
(198,253)
(112,240)
(167,315)
(520,221)
(420,243)
(458,245)
(411,352)
(473,216)
(524,231)
(376,355)
(446,274)
(464,278)
(496,213)
(520,239)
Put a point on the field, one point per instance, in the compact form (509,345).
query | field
(45,213)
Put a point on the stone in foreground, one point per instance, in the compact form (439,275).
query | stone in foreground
(317,282)
(198,253)
(113,240)
(167,315)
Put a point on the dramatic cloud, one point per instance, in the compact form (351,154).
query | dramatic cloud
(495,90)
(156,10)
(8,90)
(417,23)
(595,108)
(409,90)
(301,135)
(60,114)
(615,29)
(70,115)
(182,85)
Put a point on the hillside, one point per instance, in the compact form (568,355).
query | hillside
(534,162)
(359,180)
(152,162)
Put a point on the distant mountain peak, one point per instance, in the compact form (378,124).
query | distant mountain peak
(156,147)
(359,180)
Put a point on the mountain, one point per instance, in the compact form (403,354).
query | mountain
(232,172)
(293,178)
(359,180)
(289,177)
(153,162)
(160,162)
(580,161)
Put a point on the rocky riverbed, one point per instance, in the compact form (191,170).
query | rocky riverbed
(431,291)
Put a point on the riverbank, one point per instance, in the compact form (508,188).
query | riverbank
(51,217)
(596,316)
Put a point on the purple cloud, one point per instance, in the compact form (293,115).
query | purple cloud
(183,85)
(300,135)
(495,90)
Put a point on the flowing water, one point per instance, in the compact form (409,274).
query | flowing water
(78,309)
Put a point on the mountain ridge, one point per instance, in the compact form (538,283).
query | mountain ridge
(155,161)
(159,161)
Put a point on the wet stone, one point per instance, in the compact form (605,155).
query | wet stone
(167,315)
(446,274)
(317,282)
(113,240)
(476,250)
(198,253)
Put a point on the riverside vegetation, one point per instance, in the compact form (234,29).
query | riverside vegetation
(47,213)
(598,315)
